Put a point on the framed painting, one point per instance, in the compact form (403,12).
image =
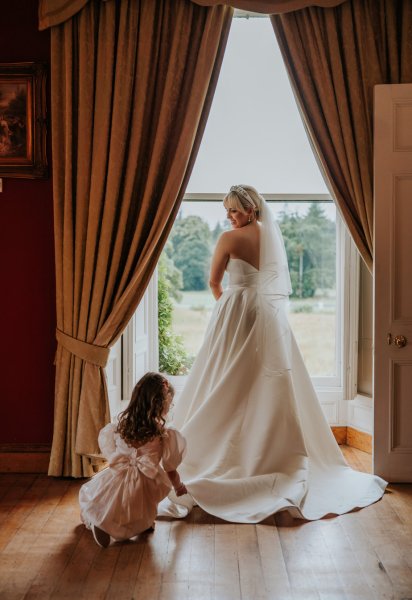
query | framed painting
(23,120)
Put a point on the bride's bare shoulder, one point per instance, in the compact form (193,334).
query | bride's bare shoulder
(228,238)
(235,237)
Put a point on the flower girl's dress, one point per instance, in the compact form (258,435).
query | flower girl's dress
(122,499)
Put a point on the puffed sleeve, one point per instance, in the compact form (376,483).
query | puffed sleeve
(106,440)
(174,449)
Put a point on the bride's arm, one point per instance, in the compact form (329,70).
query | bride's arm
(218,266)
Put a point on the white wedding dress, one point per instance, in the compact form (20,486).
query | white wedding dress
(257,439)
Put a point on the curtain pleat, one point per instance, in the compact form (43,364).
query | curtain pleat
(334,58)
(132,84)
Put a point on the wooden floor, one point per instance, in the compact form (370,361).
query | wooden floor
(46,553)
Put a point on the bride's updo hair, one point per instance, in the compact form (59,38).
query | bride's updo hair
(243,197)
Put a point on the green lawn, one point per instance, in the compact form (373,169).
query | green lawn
(314,329)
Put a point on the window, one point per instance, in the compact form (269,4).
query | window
(255,135)
(313,244)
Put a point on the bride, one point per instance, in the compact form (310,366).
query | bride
(257,439)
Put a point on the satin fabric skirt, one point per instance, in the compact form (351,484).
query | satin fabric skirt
(257,439)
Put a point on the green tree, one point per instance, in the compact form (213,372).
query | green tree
(191,240)
(310,246)
(320,234)
(173,358)
(218,229)
(172,274)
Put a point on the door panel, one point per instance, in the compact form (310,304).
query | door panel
(136,351)
(401,386)
(393,283)
(113,372)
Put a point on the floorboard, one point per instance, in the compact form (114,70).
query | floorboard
(46,553)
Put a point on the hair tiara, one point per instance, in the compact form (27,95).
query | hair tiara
(240,191)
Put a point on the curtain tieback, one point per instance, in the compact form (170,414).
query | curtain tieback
(97,355)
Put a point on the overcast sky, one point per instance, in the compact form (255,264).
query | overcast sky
(254,133)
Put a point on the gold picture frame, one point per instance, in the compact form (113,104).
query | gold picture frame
(23,126)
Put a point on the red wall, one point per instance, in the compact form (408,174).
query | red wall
(27,305)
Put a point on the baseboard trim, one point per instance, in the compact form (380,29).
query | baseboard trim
(359,439)
(340,433)
(24,458)
(353,437)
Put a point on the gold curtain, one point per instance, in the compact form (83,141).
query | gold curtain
(55,12)
(132,84)
(334,58)
(268,6)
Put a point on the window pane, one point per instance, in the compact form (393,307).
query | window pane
(254,133)
(309,230)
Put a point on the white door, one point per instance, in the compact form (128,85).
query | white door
(113,371)
(140,347)
(135,352)
(393,283)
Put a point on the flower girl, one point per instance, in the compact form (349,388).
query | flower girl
(121,501)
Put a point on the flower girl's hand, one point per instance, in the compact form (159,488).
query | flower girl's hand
(181,490)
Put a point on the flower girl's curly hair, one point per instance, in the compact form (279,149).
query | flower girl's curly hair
(142,420)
